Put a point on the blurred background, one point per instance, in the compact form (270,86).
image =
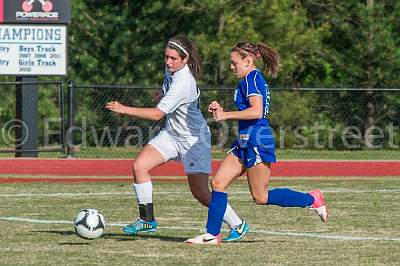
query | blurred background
(336,97)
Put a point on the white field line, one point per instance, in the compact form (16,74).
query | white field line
(71,194)
(257,231)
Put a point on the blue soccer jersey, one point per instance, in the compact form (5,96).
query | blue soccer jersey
(256,132)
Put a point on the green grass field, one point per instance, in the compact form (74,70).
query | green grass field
(363,228)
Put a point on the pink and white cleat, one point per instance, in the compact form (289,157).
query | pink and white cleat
(205,239)
(319,205)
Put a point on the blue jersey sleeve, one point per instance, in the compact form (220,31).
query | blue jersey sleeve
(254,85)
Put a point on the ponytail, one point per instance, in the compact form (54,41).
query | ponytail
(268,55)
(270,58)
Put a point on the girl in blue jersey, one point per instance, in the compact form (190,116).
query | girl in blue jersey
(254,150)
(185,137)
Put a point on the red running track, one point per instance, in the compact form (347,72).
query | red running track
(101,167)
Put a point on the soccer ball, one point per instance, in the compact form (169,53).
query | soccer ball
(89,224)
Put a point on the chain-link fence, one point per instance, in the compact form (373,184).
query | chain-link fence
(47,127)
(324,124)
(356,124)
(99,133)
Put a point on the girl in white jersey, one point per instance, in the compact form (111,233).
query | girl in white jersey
(185,137)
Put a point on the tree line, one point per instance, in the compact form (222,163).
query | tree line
(328,44)
(331,44)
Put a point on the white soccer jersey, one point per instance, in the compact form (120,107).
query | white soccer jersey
(181,105)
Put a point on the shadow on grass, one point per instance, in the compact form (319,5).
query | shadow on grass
(182,239)
(117,237)
(241,242)
(62,233)
(152,236)
(74,244)
(124,237)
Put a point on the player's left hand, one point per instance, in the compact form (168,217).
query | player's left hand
(214,105)
(219,114)
(116,107)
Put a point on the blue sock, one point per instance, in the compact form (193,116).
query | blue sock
(285,197)
(216,211)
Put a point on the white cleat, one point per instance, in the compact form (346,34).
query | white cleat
(205,239)
(319,205)
(322,213)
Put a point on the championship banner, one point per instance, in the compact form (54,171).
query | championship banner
(27,50)
(35,11)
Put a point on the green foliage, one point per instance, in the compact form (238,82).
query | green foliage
(331,43)
(123,42)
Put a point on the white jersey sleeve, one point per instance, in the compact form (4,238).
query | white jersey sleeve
(181,105)
(176,96)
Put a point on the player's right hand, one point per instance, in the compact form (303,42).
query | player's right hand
(116,107)
(214,105)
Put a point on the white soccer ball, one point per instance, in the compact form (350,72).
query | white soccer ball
(89,224)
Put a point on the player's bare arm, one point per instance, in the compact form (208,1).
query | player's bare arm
(255,111)
(145,113)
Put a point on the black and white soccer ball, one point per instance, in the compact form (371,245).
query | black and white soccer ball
(89,224)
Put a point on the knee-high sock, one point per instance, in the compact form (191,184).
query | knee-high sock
(144,192)
(144,196)
(231,218)
(216,210)
(285,197)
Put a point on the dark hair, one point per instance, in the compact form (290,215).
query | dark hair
(190,47)
(269,56)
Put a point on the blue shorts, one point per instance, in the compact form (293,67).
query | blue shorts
(252,156)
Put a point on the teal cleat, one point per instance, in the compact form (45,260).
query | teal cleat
(237,232)
(140,225)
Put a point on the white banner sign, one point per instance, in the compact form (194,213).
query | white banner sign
(33,50)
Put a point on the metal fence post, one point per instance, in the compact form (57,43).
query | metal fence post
(26,101)
(71,118)
(62,123)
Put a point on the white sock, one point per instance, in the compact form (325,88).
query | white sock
(144,192)
(231,218)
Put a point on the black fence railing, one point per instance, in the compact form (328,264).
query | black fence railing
(50,128)
(308,123)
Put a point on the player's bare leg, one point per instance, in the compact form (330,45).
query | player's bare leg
(198,184)
(147,159)
(231,168)
(258,178)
